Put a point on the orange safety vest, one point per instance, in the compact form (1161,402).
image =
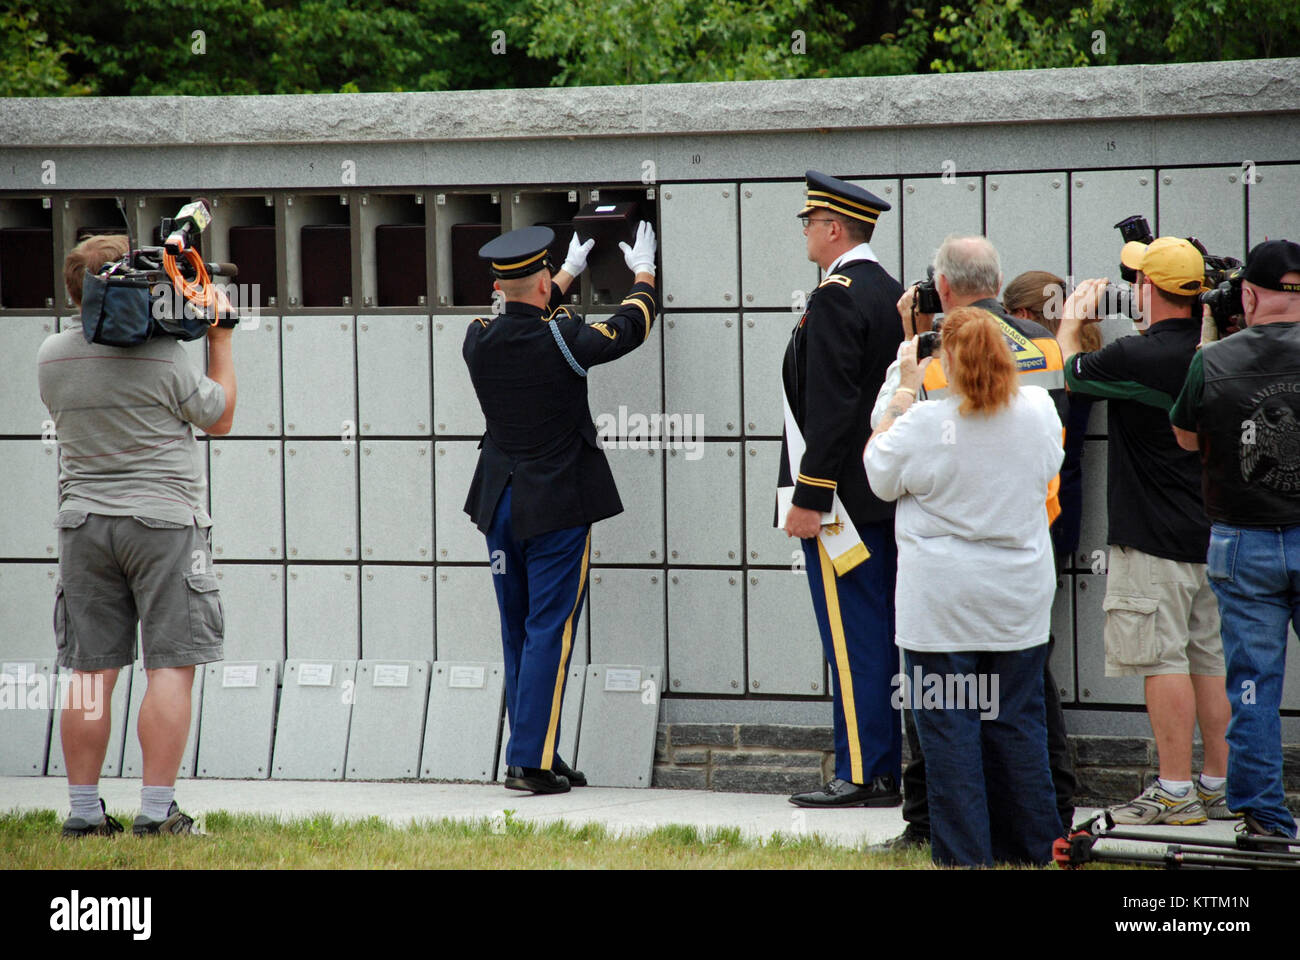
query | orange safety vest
(1039,363)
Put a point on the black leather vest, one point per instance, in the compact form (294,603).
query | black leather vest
(1250,427)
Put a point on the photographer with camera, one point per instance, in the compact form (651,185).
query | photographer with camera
(133,540)
(970,472)
(1240,406)
(967,272)
(1162,622)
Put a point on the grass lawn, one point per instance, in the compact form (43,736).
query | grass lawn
(32,841)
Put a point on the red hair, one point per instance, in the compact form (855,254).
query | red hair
(980,367)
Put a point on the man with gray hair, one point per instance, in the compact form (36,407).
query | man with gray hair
(967,272)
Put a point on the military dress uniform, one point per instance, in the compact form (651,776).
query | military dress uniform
(834,366)
(542,479)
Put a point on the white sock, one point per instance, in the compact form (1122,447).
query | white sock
(1178,788)
(85,802)
(156,801)
(1211,784)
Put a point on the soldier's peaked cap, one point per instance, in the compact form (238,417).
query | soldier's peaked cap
(840,196)
(519,252)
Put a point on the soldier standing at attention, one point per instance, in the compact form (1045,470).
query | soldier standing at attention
(833,369)
(542,478)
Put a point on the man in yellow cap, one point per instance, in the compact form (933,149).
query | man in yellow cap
(1162,618)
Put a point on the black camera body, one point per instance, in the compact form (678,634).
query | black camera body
(1133,229)
(927,344)
(927,294)
(1224,301)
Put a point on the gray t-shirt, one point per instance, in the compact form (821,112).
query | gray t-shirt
(123,419)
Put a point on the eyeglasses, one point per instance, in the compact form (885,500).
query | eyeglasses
(807,220)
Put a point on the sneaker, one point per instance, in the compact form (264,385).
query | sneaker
(1215,802)
(1250,828)
(175,822)
(106,826)
(1157,805)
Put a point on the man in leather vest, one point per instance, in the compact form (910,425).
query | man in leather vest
(542,478)
(1240,406)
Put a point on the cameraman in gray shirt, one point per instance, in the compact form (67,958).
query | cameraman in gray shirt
(133,542)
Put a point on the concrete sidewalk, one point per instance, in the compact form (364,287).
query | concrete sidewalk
(757,815)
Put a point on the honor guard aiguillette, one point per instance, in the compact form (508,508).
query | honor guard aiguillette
(542,478)
(833,369)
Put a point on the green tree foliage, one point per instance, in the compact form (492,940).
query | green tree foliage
(135,47)
(29,65)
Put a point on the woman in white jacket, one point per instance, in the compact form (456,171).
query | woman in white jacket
(970,472)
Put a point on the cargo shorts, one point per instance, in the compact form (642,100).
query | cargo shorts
(1161,617)
(115,572)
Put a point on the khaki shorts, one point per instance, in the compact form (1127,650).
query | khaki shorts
(117,571)
(1161,617)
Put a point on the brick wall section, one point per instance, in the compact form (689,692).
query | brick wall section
(776,758)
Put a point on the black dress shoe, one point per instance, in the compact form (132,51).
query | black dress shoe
(576,778)
(535,780)
(881,792)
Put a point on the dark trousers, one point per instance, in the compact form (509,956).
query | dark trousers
(991,797)
(540,585)
(855,616)
(916,807)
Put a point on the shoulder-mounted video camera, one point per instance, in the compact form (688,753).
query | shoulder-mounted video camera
(159,291)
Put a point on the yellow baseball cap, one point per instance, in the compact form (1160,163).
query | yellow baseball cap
(1171,263)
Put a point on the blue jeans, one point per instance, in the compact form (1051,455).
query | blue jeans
(1255,573)
(990,788)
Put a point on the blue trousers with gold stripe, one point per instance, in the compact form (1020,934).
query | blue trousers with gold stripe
(855,614)
(540,584)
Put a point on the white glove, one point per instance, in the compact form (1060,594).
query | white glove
(575,261)
(640,257)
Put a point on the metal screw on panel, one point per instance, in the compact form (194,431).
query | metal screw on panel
(970,186)
(727,297)
(1064,692)
(1142,181)
(726,194)
(443,577)
(1078,183)
(993,185)
(1056,184)
(442,451)
(288,326)
(749,323)
(731,580)
(669,298)
(654,579)
(370,552)
(727,323)
(814,686)
(753,554)
(731,555)
(731,426)
(370,576)
(216,452)
(596,579)
(595,553)
(677,683)
(667,195)
(293,552)
(672,324)
(369,302)
(366,326)
(754,684)
(735,684)
(1167,180)
(674,578)
(343,326)
(752,451)
(753,581)
(1087,693)
(748,194)
(1232,178)
(749,298)
(367,451)
(674,557)
(271,450)
(292,452)
(421,428)
(730,452)
(911,189)
(1083,585)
